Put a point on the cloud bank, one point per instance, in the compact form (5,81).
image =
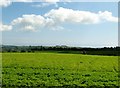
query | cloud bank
(75,16)
(56,17)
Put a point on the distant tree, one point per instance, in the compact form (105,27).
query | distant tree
(23,51)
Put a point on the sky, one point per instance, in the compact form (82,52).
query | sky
(82,24)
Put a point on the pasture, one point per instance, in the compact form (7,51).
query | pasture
(53,69)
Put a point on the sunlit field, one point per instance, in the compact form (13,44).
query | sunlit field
(53,69)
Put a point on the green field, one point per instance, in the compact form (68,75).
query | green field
(53,69)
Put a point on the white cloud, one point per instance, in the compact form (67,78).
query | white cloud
(22,0)
(107,16)
(29,22)
(68,15)
(62,15)
(54,19)
(54,1)
(5,3)
(51,1)
(29,28)
(45,4)
(5,27)
(34,22)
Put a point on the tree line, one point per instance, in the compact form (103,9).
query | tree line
(62,49)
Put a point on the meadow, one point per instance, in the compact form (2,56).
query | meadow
(54,69)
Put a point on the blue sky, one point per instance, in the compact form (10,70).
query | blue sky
(71,32)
